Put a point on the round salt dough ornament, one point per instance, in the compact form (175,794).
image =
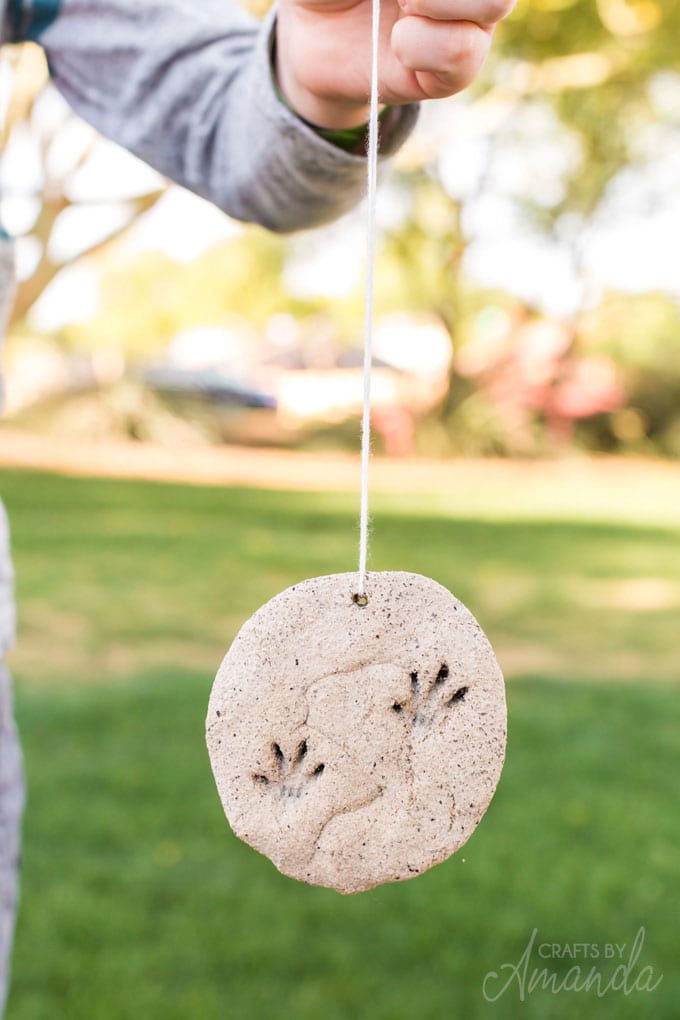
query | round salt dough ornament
(356,744)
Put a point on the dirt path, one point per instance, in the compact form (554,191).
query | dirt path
(616,485)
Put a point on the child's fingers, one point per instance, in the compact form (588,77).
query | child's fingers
(450,53)
(482,12)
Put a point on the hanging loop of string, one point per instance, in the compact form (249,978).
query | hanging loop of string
(372,164)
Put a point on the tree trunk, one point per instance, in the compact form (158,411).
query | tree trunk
(28,291)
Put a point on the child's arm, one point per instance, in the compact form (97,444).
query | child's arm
(187,86)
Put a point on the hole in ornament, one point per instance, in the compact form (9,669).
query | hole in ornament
(319,769)
(414,680)
(361,600)
(278,753)
(262,780)
(458,696)
(396,707)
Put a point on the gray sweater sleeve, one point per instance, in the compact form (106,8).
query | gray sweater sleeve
(186,85)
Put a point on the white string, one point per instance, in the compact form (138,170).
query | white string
(372,161)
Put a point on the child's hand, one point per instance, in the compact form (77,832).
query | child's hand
(429,49)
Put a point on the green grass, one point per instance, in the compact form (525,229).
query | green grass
(137,900)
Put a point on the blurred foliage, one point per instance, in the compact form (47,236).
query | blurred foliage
(579,95)
(649,371)
(610,382)
(146,301)
(49,184)
(594,62)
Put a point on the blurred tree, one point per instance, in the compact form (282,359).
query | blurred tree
(60,147)
(577,94)
(640,334)
(566,110)
(147,300)
(596,64)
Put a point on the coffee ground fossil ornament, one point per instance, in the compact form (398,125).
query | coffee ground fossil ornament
(358,744)
(356,727)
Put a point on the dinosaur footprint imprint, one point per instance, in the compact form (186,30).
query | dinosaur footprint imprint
(289,775)
(429,701)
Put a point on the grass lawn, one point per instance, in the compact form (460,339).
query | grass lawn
(137,900)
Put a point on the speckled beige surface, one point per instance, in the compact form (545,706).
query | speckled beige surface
(355,745)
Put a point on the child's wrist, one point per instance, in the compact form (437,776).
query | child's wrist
(352,137)
(342,125)
(325,115)
(322,114)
